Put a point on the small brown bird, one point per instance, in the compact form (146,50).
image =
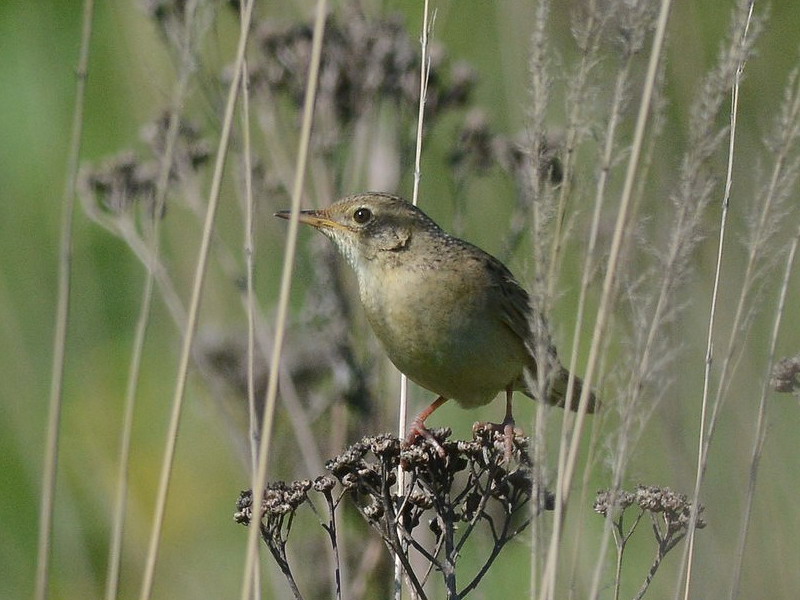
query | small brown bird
(449,315)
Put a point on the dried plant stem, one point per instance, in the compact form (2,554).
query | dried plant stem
(333,538)
(50,468)
(307,443)
(760,234)
(670,273)
(286,283)
(425,68)
(621,538)
(125,228)
(610,136)
(273,127)
(397,540)
(583,500)
(589,45)
(790,132)
(278,551)
(194,309)
(402,416)
(660,553)
(540,93)
(249,249)
(704,438)
(250,299)
(761,422)
(568,457)
(143,321)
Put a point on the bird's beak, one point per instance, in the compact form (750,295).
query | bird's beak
(318,219)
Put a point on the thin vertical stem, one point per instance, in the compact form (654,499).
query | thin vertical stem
(50,469)
(143,321)
(249,248)
(702,442)
(283,299)
(194,311)
(761,421)
(588,267)
(250,301)
(424,71)
(568,457)
(540,95)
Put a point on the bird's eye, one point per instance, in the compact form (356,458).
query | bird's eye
(362,215)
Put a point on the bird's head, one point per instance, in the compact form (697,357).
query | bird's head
(366,226)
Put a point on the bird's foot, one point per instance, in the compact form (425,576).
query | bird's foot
(507,428)
(418,431)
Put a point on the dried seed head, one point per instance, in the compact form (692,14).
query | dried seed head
(610,501)
(191,149)
(120,183)
(323,483)
(786,376)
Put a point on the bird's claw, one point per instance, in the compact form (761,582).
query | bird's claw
(419,431)
(507,428)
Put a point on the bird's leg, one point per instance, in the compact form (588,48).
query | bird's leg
(508,426)
(418,428)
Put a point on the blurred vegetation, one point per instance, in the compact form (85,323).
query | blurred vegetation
(131,78)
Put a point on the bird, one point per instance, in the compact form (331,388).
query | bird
(450,316)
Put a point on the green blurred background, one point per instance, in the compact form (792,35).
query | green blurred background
(130,81)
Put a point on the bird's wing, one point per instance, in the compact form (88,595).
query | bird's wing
(515,303)
(520,315)
(515,308)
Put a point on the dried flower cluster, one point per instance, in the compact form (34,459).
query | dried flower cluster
(192,149)
(279,499)
(471,486)
(127,180)
(675,507)
(279,504)
(478,149)
(670,513)
(363,61)
(121,182)
(786,376)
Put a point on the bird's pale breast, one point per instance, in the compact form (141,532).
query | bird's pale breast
(443,331)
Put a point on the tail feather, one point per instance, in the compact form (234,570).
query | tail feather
(558,393)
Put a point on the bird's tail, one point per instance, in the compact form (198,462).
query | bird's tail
(558,393)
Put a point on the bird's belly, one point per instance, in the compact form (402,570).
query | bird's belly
(461,352)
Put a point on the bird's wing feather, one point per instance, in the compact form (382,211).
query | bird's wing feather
(515,303)
(520,315)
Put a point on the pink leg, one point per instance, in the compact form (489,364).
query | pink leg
(418,428)
(508,426)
